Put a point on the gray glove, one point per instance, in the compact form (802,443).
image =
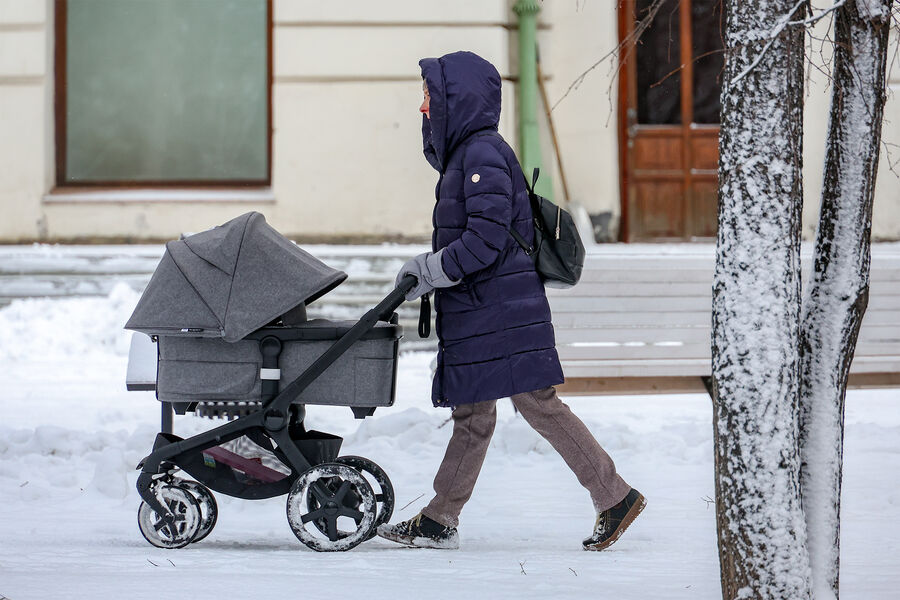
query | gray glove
(428,270)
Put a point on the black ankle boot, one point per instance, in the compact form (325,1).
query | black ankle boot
(611,523)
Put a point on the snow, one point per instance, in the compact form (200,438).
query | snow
(874,10)
(70,437)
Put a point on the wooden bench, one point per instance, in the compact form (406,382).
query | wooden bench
(639,321)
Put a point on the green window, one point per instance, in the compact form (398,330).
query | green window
(163,92)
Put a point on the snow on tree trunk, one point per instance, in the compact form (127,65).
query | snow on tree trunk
(839,292)
(756,305)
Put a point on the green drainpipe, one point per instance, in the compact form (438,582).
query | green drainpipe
(529,138)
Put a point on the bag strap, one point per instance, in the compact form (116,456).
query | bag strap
(534,177)
(529,251)
(532,197)
(425,317)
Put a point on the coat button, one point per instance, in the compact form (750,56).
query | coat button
(476,178)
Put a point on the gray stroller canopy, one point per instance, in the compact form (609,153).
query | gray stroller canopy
(230,281)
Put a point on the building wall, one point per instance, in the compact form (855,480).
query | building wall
(886,209)
(347,160)
(348,143)
(347,150)
(24,107)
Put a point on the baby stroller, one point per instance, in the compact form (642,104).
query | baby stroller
(226,310)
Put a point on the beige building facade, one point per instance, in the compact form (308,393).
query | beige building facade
(344,157)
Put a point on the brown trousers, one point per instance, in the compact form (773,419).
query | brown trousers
(473,425)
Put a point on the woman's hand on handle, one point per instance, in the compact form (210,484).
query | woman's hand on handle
(428,271)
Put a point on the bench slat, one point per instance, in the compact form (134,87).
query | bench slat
(637,367)
(561,304)
(633,334)
(571,303)
(694,367)
(663,350)
(572,320)
(658,319)
(614,351)
(886,334)
(619,272)
(660,287)
(608,274)
(579,386)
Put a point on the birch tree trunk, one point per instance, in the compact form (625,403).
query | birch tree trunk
(839,292)
(756,305)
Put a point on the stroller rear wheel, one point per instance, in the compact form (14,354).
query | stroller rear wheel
(187,518)
(331,508)
(209,510)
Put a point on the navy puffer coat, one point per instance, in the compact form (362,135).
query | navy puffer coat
(494,329)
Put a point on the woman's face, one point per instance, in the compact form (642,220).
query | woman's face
(426,102)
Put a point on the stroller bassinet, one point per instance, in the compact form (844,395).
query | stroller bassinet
(226,309)
(193,370)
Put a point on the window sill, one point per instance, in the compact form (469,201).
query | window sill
(159,195)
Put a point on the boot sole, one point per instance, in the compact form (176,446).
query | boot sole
(451,543)
(628,520)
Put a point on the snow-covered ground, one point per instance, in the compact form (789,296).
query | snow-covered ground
(70,436)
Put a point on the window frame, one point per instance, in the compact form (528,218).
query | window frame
(60,109)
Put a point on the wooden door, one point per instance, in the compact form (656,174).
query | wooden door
(669,120)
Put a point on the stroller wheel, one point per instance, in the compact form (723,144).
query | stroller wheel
(331,508)
(187,518)
(381,485)
(209,510)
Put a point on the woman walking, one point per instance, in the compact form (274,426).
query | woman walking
(493,320)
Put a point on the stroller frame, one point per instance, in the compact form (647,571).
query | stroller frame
(272,419)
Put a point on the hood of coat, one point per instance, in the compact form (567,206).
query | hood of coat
(465,98)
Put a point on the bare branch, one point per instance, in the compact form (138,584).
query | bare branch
(892,162)
(786,22)
(820,16)
(681,66)
(772,37)
(411,501)
(626,44)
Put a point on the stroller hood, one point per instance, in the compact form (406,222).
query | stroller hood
(230,281)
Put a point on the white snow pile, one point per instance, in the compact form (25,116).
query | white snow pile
(32,328)
(71,436)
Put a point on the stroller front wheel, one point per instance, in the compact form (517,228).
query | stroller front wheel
(331,508)
(177,534)
(209,510)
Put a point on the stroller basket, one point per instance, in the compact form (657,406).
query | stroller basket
(252,468)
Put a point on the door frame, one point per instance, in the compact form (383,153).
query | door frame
(627,112)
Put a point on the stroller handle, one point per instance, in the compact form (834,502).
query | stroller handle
(397,297)
(407,283)
(382,312)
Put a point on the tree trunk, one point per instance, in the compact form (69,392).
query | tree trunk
(839,292)
(756,305)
